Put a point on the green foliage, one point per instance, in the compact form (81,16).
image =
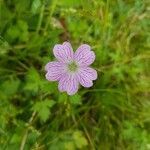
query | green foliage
(135,135)
(33,80)
(75,99)
(114,114)
(80,141)
(18,31)
(10,87)
(36,4)
(70,141)
(43,108)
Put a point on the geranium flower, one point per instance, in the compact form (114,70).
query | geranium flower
(71,68)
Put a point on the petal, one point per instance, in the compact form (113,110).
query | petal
(68,83)
(64,52)
(86,75)
(54,70)
(84,56)
(89,72)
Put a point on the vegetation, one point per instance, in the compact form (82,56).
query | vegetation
(114,114)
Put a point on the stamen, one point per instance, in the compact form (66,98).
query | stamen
(72,67)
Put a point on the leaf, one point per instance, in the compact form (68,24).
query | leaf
(35,6)
(75,99)
(23,29)
(43,108)
(70,3)
(4,46)
(32,137)
(79,139)
(19,30)
(62,98)
(33,80)
(12,33)
(10,87)
(47,87)
(69,146)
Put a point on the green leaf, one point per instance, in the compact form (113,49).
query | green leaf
(35,6)
(12,33)
(47,87)
(79,139)
(19,30)
(75,99)
(33,80)
(69,146)
(23,28)
(43,108)
(62,98)
(4,46)
(10,87)
(70,2)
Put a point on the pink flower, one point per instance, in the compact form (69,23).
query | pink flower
(71,69)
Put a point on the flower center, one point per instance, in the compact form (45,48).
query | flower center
(72,67)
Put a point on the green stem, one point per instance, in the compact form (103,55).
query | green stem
(23,142)
(52,8)
(40,18)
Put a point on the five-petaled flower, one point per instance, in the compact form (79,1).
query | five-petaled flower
(71,68)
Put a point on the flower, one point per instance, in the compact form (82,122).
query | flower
(71,69)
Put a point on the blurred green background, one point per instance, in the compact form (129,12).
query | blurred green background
(114,114)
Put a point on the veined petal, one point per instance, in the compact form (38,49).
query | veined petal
(89,72)
(86,75)
(84,56)
(68,83)
(54,70)
(64,52)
